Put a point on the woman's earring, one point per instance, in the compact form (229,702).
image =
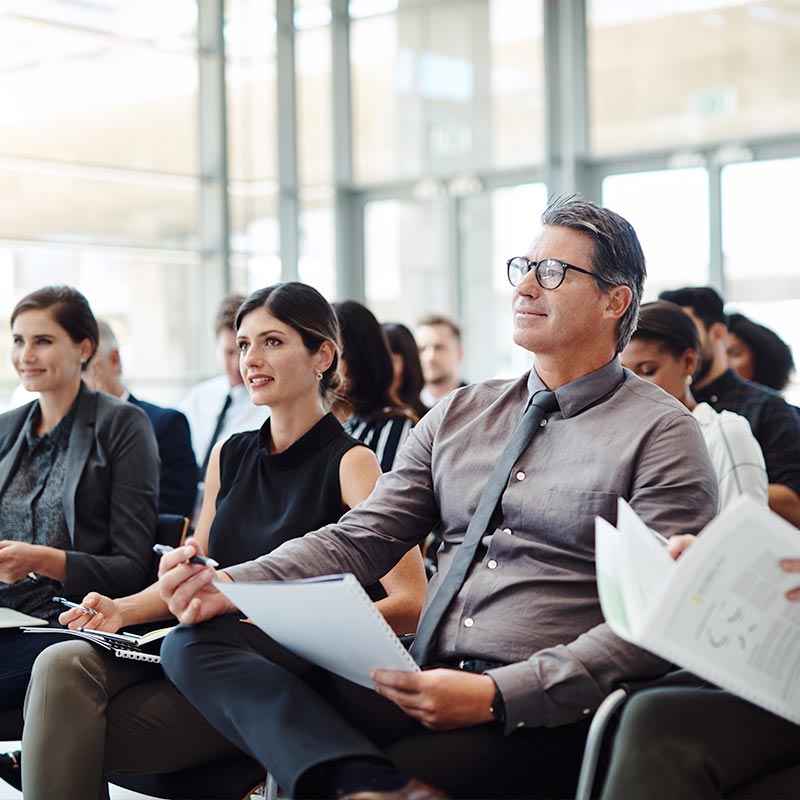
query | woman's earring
(689,380)
(319,376)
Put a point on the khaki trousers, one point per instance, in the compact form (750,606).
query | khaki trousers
(88,712)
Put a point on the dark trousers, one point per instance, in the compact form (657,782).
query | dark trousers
(696,744)
(293,716)
(18,651)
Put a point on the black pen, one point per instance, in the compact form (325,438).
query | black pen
(163,549)
(70,604)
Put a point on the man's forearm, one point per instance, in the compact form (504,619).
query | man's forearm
(785,502)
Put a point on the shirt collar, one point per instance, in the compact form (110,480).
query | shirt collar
(587,390)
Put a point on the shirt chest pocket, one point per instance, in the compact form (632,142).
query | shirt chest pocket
(570,516)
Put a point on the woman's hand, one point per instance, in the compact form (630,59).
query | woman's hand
(107,618)
(17,559)
(186,588)
(792,565)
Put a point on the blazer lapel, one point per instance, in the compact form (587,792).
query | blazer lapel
(80,445)
(10,458)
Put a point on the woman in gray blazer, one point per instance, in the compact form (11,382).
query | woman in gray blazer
(78,480)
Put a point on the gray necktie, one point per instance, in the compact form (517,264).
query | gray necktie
(543,402)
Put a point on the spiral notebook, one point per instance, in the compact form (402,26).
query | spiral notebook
(122,645)
(329,621)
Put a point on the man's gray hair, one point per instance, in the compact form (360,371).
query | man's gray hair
(617,258)
(107,340)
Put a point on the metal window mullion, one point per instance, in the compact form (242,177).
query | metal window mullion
(716,265)
(213,227)
(288,206)
(349,248)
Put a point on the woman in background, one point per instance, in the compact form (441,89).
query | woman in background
(88,712)
(758,354)
(366,407)
(78,481)
(664,351)
(408,378)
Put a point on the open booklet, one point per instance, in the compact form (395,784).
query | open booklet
(329,621)
(122,645)
(9,618)
(719,610)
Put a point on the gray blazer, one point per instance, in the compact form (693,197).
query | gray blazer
(110,492)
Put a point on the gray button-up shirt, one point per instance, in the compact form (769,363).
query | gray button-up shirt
(530,599)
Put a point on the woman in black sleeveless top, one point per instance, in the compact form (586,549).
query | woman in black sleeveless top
(300,471)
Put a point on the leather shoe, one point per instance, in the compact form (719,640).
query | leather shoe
(10,769)
(413,790)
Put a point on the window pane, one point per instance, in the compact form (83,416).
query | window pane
(72,204)
(81,96)
(317,247)
(497,226)
(683,72)
(759,244)
(119,287)
(669,212)
(253,210)
(314,117)
(447,87)
(405,253)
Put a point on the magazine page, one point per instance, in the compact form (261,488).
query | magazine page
(329,621)
(609,579)
(723,613)
(9,618)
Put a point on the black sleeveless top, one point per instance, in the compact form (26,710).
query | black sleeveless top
(264,500)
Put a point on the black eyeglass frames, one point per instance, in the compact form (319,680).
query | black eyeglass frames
(549,272)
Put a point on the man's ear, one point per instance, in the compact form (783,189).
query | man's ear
(116,362)
(718,332)
(618,301)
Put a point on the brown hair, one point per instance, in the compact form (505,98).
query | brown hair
(69,308)
(310,314)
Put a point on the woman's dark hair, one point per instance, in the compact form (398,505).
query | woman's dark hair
(772,357)
(69,308)
(669,325)
(303,308)
(369,365)
(402,343)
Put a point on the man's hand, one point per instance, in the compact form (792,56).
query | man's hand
(17,559)
(678,543)
(186,588)
(106,619)
(441,699)
(792,565)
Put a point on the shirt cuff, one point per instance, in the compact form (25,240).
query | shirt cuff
(522,695)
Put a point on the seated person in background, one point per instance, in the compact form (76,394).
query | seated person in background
(78,480)
(758,354)
(699,743)
(408,380)
(366,406)
(220,406)
(177,486)
(775,424)
(88,712)
(664,351)
(515,650)
(441,355)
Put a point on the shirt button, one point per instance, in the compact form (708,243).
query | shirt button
(508,531)
(587,711)
(520,724)
(492,564)
(520,476)
(543,423)
(469,622)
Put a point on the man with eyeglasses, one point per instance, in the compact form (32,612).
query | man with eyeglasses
(515,653)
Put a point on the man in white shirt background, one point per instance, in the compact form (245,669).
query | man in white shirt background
(441,355)
(220,406)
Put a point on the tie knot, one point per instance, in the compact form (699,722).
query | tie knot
(546,400)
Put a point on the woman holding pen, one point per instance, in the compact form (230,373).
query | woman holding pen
(88,712)
(78,480)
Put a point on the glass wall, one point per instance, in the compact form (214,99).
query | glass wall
(94,193)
